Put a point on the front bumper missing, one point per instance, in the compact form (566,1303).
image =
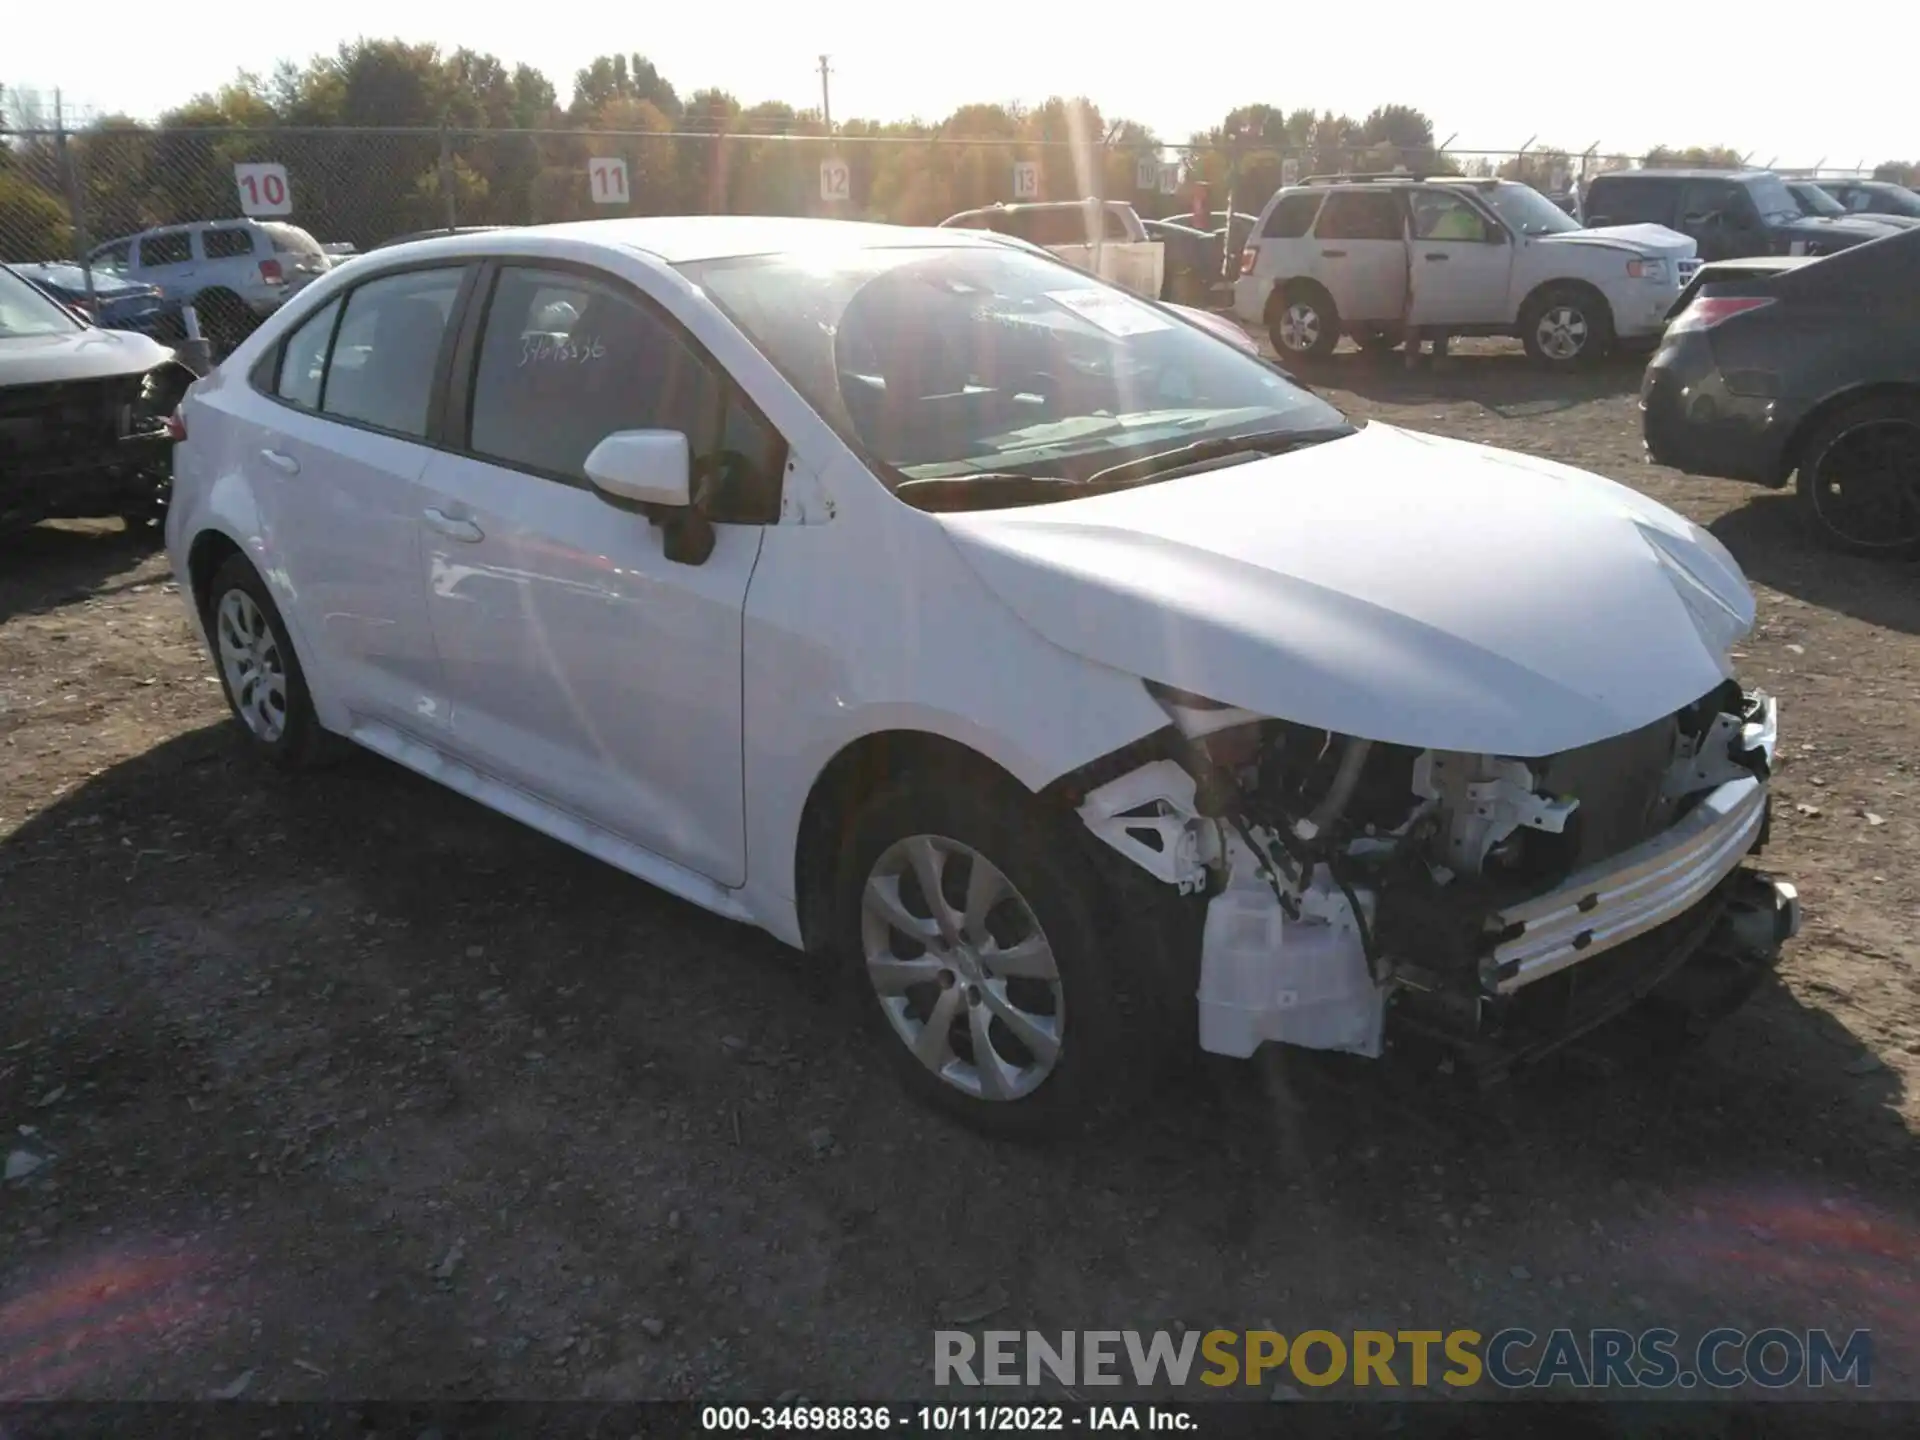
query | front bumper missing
(1631,893)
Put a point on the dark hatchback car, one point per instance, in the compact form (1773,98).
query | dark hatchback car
(1729,213)
(1783,366)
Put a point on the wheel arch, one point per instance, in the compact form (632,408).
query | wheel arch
(1790,453)
(1286,285)
(1565,282)
(211,549)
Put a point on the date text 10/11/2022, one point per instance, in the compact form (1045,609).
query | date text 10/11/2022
(945,1418)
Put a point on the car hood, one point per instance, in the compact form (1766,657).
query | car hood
(1898,222)
(90,354)
(1640,239)
(1853,228)
(1392,585)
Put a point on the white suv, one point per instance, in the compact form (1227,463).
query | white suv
(1344,254)
(1071,678)
(233,272)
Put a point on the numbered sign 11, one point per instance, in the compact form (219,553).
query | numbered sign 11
(1169,179)
(607,181)
(836,181)
(1026,180)
(1146,172)
(263,189)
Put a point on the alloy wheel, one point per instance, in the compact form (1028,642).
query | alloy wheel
(1867,484)
(1561,332)
(1300,327)
(250,659)
(962,969)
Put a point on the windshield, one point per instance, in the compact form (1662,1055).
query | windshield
(1772,198)
(1527,211)
(1815,201)
(25,310)
(950,362)
(1891,200)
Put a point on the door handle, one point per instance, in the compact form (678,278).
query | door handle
(1333,254)
(1436,255)
(462,530)
(281,461)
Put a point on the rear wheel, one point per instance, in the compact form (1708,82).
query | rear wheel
(1566,326)
(261,675)
(1859,477)
(1303,323)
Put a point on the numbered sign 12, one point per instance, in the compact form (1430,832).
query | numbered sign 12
(1026,180)
(607,181)
(836,181)
(1146,172)
(263,189)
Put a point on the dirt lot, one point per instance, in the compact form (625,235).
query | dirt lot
(345,1087)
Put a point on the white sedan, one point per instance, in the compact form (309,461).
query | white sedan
(1068,674)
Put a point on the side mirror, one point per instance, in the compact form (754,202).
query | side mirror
(649,468)
(652,471)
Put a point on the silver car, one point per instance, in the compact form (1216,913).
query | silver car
(234,273)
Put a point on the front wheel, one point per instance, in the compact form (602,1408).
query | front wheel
(1859,479)
(969,925)
(1566,327)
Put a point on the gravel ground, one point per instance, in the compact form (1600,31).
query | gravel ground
(345,1087)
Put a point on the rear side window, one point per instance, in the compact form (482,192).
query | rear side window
(303,363)
(1360,215)
(225,244)
(1630,202)
(567,360)
(1292,217)
(170,247)
(381,369)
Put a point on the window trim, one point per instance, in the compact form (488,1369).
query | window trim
(454,429)
(1315,198)
(1497,230)
(200,241)
(468,267)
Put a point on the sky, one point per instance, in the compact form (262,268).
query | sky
(1491,73)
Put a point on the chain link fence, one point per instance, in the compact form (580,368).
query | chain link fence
(65,192)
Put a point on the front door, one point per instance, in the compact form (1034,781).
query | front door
(1360,255)
(1461,262)
(585,665)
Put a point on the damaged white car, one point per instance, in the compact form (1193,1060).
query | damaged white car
(1066,673)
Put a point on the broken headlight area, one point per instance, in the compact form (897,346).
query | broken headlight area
(1473,895)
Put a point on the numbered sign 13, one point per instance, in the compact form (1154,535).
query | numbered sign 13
(607,181)
(263,189)
(836,181)
(1026,180)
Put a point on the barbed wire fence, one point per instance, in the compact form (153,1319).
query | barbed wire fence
(66,190)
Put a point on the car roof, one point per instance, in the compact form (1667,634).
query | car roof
(1664,174)
(679,239)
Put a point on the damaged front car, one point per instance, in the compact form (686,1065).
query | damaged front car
(83,414)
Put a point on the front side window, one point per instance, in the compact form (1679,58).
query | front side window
(381,369)
(948,363)
(1361,215)
(225,244)
(1631,202)
(303,364)
(1527,211)
(567,360)
(1438,215)
(169,247)
(114,259)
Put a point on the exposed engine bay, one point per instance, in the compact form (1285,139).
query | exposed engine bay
(1344,878)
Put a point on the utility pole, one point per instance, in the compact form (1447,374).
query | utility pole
(826,104)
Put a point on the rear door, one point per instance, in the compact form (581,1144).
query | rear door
(165,258)
(335,463)
(1361,254)
(1462,262)
(1720,216)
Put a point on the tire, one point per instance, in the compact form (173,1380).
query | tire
(905,979)
(224,320)
(259,672)
(1881,520)
(1565,327)
(1303,323)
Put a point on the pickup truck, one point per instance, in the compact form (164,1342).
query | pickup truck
(1104,237)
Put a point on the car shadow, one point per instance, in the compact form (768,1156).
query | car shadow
(1774,545)
(47,566)
(1505,382)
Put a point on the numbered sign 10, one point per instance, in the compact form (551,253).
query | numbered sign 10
(836,182)
(607,181)
(1026,180)
(1146,173)
(263,189)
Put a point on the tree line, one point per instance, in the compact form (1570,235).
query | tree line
(465,136)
